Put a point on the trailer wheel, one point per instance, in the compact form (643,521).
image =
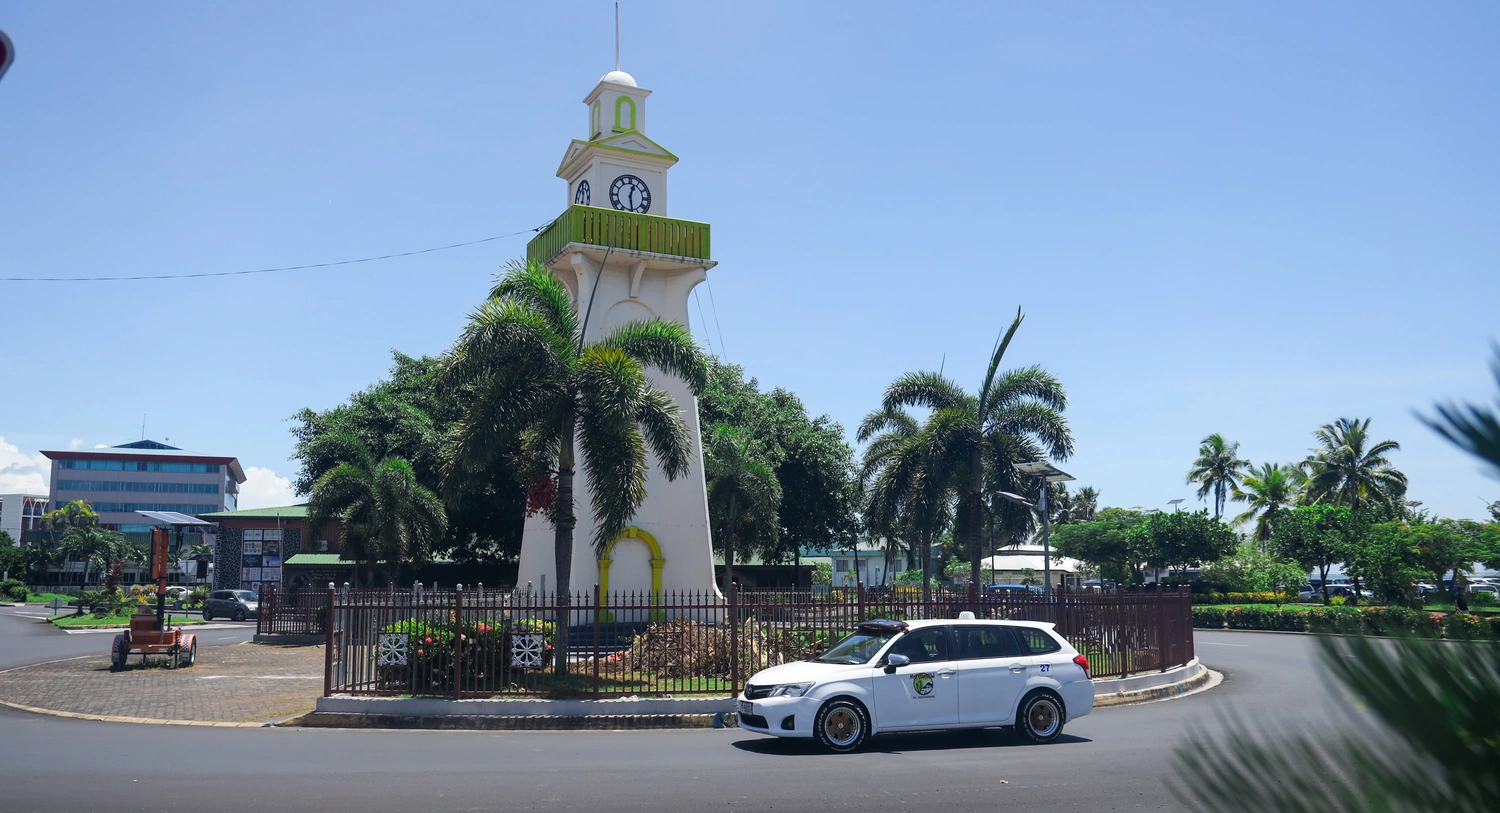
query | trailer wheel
(118,653)
(188,655)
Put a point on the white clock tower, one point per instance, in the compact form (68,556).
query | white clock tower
(623,259)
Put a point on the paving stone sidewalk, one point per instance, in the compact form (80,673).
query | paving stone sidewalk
(228,684)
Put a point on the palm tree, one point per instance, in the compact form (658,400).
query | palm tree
(905,494)
(743,492)
(974,441)
(1217,470)
(95,547)
(75,514)
(1267,490)
(385,514)
(536,378)
(1347,469)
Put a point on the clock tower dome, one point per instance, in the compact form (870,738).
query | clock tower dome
(624,260)
(617,166)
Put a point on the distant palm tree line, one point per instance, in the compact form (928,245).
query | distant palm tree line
(1345,467)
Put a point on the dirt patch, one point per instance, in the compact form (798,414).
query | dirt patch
(228,684)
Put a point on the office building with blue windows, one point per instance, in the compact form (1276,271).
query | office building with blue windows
(144,476)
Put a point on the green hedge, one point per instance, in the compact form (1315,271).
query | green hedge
(1349,620)
(1266,597)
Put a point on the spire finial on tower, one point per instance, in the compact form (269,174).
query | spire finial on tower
(617,36)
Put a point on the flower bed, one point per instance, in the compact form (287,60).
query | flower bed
(1350,620)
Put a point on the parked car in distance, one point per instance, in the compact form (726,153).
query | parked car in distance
(1308,593)
(233,604)
(178,593)
(1099,584)
(923,676)
(1013,589)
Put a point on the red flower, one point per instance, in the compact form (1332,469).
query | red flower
(420,652)
(427,640)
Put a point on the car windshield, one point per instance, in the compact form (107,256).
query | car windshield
(858,647)
(245,595)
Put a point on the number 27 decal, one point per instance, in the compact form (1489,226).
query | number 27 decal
(1046,667)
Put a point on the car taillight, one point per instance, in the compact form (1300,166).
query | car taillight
(1084,662)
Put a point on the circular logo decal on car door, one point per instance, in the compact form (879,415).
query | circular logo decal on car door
(921,683)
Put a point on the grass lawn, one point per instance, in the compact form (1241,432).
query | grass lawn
(120,620)
(43,598)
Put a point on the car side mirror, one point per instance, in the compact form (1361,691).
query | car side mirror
(892,662)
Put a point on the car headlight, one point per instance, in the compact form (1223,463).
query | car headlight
(790,689)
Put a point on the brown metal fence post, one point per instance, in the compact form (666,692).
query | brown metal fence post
(734,639)
(1160,627)
(597,607)
(859,601)
(1123,640)
(458,642)
(328,616)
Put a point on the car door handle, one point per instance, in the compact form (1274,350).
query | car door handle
(1018,668)
(945,673)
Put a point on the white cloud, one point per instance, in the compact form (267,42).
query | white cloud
(21,472)
(75,443)
(263,489)
(100,446)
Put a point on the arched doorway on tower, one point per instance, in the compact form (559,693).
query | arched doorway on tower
(621,571)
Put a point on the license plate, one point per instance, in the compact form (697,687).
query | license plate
(746,707)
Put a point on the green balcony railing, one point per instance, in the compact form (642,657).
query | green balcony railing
(594,226)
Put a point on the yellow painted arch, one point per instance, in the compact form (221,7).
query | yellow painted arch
(657,562)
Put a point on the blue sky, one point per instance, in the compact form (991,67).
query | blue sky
(1226,217)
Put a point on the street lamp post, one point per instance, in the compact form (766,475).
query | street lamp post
(1049,474)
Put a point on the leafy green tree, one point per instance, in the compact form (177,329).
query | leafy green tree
(1113,543)
(1388,560)
(386,514)
(12,560)
(409,416)
(976,440)
(813,463)
(1267,490)
(536,379)
(1218,470)
(1186,539)
(744,495)
(1252,569)
(1347,468)
(1314,536)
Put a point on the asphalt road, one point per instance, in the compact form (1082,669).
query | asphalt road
(1115,759)
(25,639)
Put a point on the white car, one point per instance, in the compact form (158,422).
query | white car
(923,675)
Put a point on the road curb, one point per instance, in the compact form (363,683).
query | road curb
(1204,680)
(108,718)
(596,722)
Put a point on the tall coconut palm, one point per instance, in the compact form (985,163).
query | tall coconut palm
(975,440)
(1218,470)
(535,377)
(743,493)
(385,513)
(905,492)
(1346,468)
(1267,490)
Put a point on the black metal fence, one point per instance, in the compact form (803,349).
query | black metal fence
(475,643)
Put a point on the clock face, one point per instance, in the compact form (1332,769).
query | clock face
(630,194)
(581,197)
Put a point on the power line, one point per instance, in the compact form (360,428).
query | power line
(715,307)
(271,270)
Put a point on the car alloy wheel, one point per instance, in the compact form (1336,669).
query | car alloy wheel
(841,726)
(207,616)
(239,615)
(1041,718)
